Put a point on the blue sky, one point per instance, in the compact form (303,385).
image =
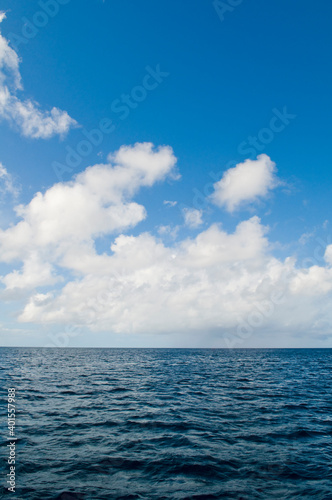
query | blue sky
(225,73)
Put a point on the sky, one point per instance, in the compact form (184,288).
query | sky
(165,173)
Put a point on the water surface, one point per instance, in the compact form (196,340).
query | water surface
(99,424)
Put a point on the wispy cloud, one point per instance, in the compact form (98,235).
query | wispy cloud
(7,184)
(170,203)
(26,115)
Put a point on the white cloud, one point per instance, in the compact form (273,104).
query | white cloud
(7,184)
(245,183)
(192,217)
(170,203)
(35,273)
(305,237)
(214,284)
(171,231)
(26,115)
(328,254)
(61,224)
(146,286)
(313,281)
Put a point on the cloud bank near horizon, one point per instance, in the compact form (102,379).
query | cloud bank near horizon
(225,284)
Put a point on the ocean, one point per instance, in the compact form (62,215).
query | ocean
(129,424)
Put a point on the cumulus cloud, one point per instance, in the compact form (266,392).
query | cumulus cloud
(192,217)
(62,223)
(145,286)
(216,283)
(34,273)
(223,284)
(26,115)
(245,183)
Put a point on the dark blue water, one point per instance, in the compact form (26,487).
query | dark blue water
(170,423)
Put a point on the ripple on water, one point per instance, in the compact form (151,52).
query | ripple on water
(171,424)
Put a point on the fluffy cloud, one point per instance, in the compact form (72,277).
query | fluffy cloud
(225,285)
(34,273)
(192,217)
(26,115)
(244,183)
(145,286)
(69,216)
